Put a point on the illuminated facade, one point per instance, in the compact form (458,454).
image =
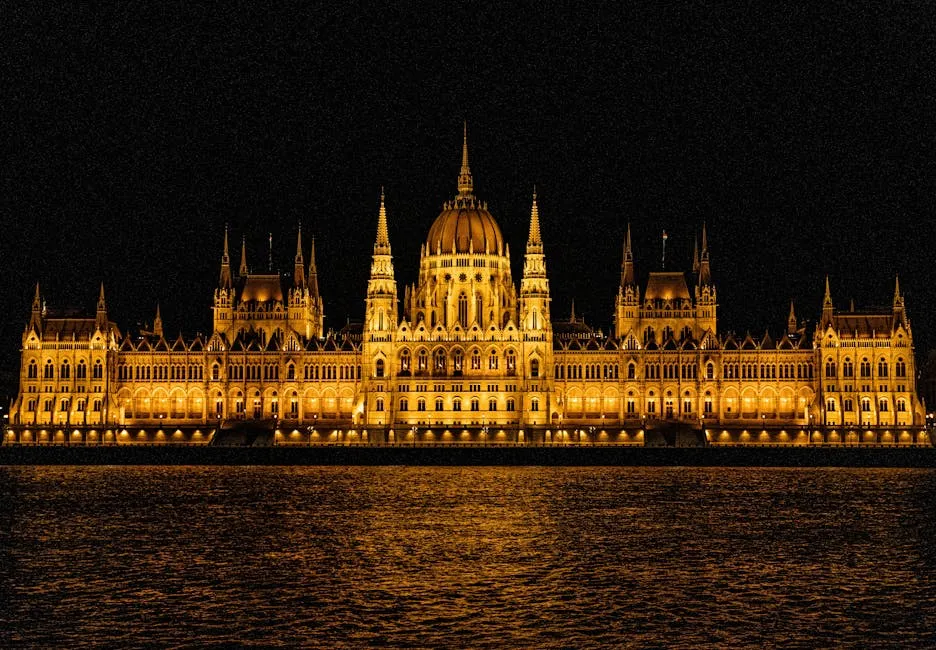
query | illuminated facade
(469,358)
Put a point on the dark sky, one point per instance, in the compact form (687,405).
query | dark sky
(132,133)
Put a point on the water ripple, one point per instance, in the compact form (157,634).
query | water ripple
(466,557)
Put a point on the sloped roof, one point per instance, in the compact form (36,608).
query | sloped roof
(667,285)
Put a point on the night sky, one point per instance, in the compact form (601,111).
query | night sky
(133,133)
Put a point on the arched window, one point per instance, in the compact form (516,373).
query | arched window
(479,310)
(290,371)
(865,368)
(534,404)
(534,368)
(49,371)
(865,404)
(848,368)
(830,368)
(405,362)
(476,360)
(463,310)
(404,404)
(421,404)
(882,367)
(631,371)
(66,370)
(492,404)
(710,371)
(511,362)
(379,369)
(216,372)
(422,362)
(379,406)
(900,368)
(439,404)
(830,405)
(456,404)
(510,404)
(81,370)
(458,361)
(475,404)
(33,371)
(438,362)
(492,361)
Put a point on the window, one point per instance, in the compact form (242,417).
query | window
(475,404)
(33,371)
(631,371)
(421,404)
(830,368)
(438,362)
(458,360)
(848,406)
(865,368)
(865,405)
(404,404)
(98,371)
(492,361)
(49,371)
(709,371)
(534,404)
(379,369)
(438,404)
(534,368)
(97,406)
(476,360)
(900,368)
(510,404)
(901,406)
(456,404)
(380,403)
(405,362)
(463,310)
(631,407)
(290,371)
(422,361)
(830,405)
(848,368)
(216,372)
(81,371)
(492,404)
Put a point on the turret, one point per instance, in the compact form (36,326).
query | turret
(826,306)
(100,318)
(791,320)
(381,287)
(900,314)
(242,271)
(628,298)
(157,323)
(705,271)
(224,281)
(534,286)
(35,316)
(299,277)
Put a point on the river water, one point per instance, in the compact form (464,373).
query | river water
(466,557)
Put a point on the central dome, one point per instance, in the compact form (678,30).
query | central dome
(465,226)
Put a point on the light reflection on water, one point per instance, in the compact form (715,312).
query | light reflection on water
(531,557)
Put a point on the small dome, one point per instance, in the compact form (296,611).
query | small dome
(464,226)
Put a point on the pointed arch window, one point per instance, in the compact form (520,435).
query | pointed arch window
(405,362)
(882,367)
(33,371)
(476,360)
(463,310)
(865,368)
(900,368)
(49,371)
(379,369)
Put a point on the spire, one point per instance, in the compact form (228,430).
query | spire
(791,320)
(465,184)
(572,315)
(827,300)
(100,319)
(535,242)
(299,268)
(157,323)
(382,244)
(243,263)
(695,256)
(705,271)
(898,299)
(224,281)
(35,317)
(313,272)
(627,268)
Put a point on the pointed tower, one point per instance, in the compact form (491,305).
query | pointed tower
(35,315)
(381,316)
(299,278)
(224,281)
(705,295)
(900,313)
(316,311)
(242,271)
(223,305)
(534,285)
(157,323)
(791,321)
(826,307)
(626,312)
(100,318)
(465,183)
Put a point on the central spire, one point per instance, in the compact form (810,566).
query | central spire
(382,244)
(465,184)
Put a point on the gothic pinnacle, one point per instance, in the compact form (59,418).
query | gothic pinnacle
(465,183)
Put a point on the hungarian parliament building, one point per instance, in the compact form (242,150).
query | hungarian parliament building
(471,358)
